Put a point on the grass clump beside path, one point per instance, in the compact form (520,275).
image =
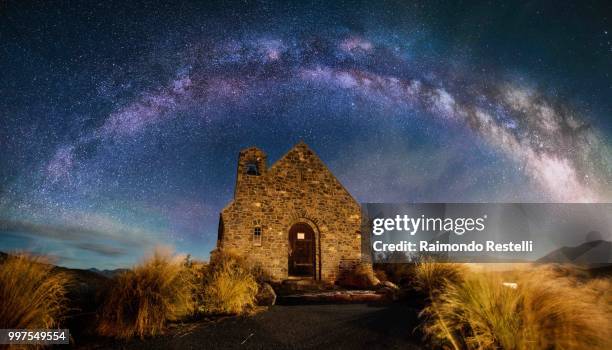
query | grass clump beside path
(32,295)
(141,301)
(229,286)
(543,310)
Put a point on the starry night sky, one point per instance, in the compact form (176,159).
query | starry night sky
(120,124)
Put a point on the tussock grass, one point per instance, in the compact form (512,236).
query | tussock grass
(602,289)
(381,275)
(432,277)
(141,301)
(399,273)
(394,267)
(361,276)
(229,286)
(32,295)
(548,310)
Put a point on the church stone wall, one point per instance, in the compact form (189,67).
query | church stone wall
(297,188)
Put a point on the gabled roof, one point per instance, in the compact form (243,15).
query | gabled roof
(297,146)
(300,144)
(305,146)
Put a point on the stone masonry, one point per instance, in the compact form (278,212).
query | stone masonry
(267,202)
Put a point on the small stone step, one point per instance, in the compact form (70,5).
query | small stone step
(298,286)
(334,297)
(300,282)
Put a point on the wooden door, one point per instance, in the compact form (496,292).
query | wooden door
(301,250)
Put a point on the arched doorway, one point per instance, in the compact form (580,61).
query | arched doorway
(302,246)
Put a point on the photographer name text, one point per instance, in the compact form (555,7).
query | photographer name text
(473,246)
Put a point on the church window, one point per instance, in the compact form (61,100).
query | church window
(257,236)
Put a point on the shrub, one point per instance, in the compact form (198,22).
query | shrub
(229,285)
(479,313)
(259,273)
(545,311)
(557,312)
(361,276)
(395,267)
(602,288)
(431,278)
(142,301)
(32,295)
(381,275)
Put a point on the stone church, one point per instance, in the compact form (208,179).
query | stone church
(293,218)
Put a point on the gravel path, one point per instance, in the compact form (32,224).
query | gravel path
(348,326)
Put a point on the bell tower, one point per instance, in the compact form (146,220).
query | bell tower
(252,166)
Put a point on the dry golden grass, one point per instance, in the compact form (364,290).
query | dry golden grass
(229,285)
(31,295)
(547,310)
(602,288)
(360,276)
(394,267)
(431,277)
(142,301)
(381,275)
(478,313)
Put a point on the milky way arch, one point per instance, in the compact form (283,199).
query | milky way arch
(548,140)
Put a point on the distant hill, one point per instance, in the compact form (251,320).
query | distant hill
(590,254)
(81,279)
(83,289)
(108,273)
(88,274)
